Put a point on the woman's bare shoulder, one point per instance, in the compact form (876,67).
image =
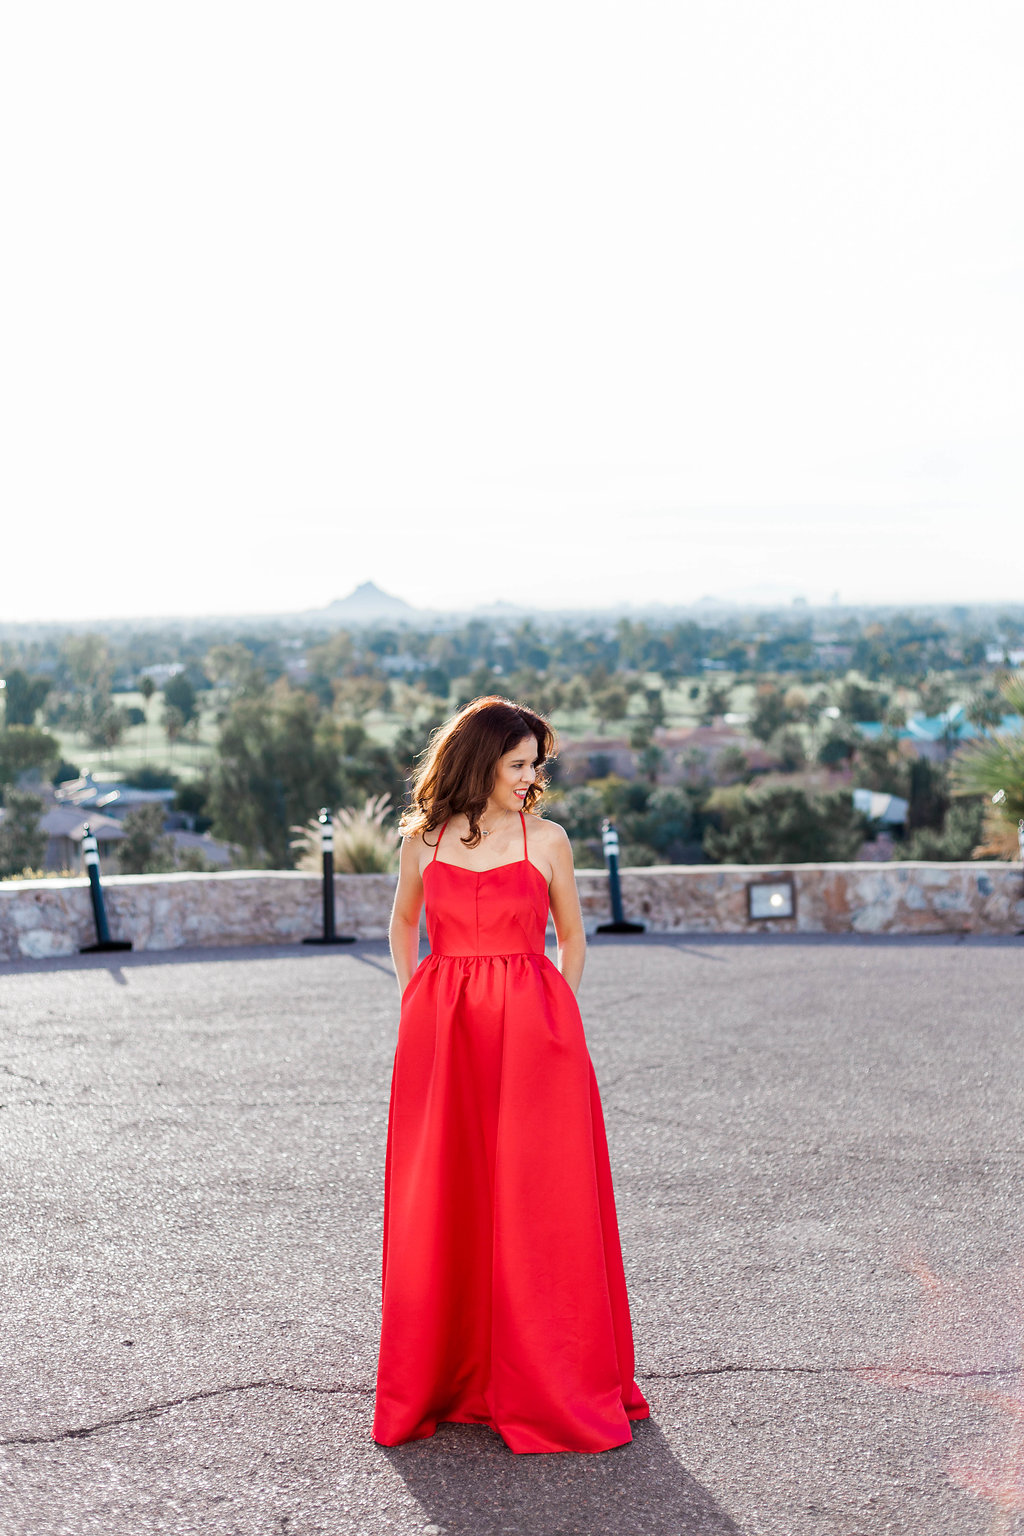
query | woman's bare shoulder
(415,850)
(547,835)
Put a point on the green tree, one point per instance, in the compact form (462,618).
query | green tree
(576,696)
(106,725)
(986,709)
(654,701)
(24,747)
(174,723)
(716,702)
(579,810)
(935,695)
(732,763)
(665,824)
(880,765)
(22,840)
(191,799)
(861,704)
(956,839)
(651,760)
(610,704)
(783,825)
(770,712)
(145,848)
(150,778)
(279,758)
(928,793)
(87,666)
(180,694)
(787,745)
(837,748)
(235,667)
(24,697)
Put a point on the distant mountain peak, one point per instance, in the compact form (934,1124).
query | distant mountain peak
(367,599)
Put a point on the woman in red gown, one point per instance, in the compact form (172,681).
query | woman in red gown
(504,1301)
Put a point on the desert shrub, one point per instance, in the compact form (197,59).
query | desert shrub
(364,843)
(145,848)
(784,825)
(22,840)
(956,839)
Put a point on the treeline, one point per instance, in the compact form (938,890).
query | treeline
(283,724)
(902,647)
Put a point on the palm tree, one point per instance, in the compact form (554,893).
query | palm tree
(147,688)
(993,766)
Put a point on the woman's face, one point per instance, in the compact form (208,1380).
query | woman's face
(515,773)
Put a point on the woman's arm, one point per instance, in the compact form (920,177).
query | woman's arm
(565,908)
(404,930)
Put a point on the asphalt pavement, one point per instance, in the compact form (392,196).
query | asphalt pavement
(816,1146)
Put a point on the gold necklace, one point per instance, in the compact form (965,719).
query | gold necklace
(486,832)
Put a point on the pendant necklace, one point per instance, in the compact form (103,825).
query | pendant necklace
(486,831)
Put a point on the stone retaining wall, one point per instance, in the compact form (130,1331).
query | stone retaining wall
(40,918)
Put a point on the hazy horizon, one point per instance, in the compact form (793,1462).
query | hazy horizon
(604,306)
(715,606)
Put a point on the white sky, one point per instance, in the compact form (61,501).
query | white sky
(561,303)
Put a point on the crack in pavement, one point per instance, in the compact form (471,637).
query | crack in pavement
(38,1081)
(154,1410)
(158,1104)
(924,1371)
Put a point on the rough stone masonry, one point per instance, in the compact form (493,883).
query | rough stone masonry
(44,918)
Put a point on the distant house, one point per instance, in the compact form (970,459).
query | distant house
(224,855)
(831,653)
(162,671)
(890,810)
(594,757)
(297,670)
(106,806)
(64,826)
(405,661)
(697,749)
(935,736)
(112,799)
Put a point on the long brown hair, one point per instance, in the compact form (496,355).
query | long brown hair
(461,760)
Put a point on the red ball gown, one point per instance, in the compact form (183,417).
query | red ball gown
(504,1300)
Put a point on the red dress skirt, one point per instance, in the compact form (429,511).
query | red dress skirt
(504,1300)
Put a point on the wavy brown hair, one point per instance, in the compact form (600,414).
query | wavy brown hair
(461,760)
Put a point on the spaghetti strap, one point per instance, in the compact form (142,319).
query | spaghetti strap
(522,818)
(438,843)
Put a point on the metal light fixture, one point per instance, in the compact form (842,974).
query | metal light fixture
(770,898)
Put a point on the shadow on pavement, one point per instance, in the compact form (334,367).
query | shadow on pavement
(468,1483)
(374,952)
(214,954)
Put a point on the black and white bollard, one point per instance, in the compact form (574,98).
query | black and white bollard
(327,849)
(104,942)
(618,924)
